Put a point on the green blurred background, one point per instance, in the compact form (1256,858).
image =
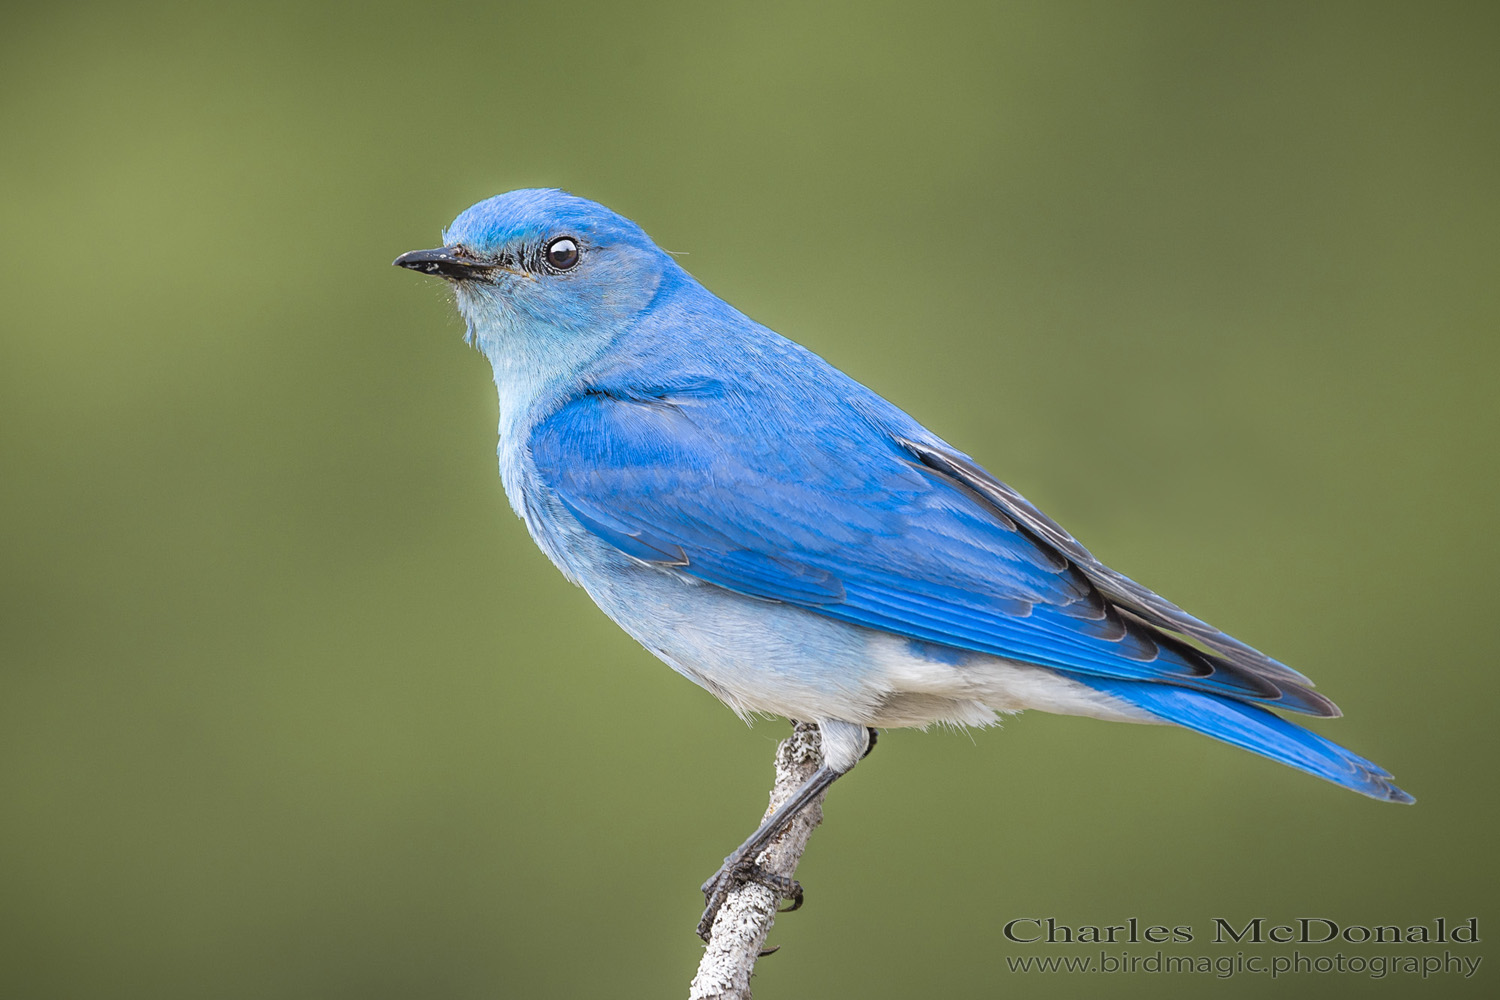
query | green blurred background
(291,706)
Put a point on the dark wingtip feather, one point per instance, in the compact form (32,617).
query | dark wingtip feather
(1296,698)
(1260,675)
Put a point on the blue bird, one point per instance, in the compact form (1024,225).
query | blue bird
(794,543)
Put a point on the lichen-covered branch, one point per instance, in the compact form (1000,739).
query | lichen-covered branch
(739,932)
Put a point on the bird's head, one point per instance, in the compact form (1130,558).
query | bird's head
(542,262)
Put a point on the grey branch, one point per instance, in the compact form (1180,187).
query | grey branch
(739,932)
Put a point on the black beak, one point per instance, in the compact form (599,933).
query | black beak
(445,262)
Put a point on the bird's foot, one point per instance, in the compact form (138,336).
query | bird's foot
(731,876)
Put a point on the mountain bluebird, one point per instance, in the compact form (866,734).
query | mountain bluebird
(786,538)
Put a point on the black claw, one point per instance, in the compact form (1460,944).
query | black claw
(871,745)
(769,951)
(787,888)
(717,889)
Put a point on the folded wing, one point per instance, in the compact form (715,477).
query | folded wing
(851,521)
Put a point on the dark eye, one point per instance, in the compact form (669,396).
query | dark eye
(562,253)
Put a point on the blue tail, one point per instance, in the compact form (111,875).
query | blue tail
(1258,731)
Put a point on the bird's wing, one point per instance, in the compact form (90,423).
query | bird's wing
(848,520)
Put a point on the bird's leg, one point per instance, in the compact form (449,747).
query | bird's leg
(740,866)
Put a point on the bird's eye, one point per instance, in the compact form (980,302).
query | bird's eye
(562,253)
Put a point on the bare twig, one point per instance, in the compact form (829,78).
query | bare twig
(739,932)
